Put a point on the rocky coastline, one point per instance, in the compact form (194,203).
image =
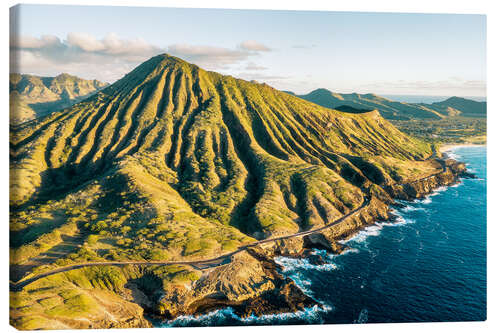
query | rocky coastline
(252,284)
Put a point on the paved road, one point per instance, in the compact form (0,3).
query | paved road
(198,264)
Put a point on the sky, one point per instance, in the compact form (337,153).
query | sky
(299,51)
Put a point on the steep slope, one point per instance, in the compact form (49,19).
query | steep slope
(176,163)
(387,108)
(225,147)
(33,96)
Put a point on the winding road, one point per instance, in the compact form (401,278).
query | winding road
(213,262)
(198,264)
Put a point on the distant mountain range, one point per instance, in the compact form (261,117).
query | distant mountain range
(453,106)
(34,96)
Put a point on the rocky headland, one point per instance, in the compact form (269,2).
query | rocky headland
(251,284)
(171,192)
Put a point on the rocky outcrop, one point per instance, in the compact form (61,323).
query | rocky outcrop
(452,170)
(250,284)
(176,163)
(328,239)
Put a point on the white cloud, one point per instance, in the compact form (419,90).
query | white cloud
(261,77)
(28,42)
(303,46)
(85,42)
(252,45)
(209,56)
(111,57)
(254,67)
(105,59)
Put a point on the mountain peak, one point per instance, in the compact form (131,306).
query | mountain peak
(320,91)
(65,76)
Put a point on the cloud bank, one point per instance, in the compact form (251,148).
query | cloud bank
(252,45)
(111,57)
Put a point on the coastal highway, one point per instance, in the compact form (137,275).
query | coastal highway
(198,264)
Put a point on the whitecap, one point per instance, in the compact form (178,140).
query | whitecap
(214,318)
(209,319)
(453,155)
(439,189)
(361,236)
(399,221)
(374,229)
(425,201)
(310,315)
(290,264)
(350,250)
(412,208)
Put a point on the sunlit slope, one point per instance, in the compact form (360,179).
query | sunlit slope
(172,153)
(33,96)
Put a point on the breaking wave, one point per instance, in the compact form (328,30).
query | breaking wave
(311,315)
(425,201)
(412,209)
(290,264)
(374,230)
(453,155)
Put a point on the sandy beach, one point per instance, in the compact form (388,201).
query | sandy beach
(451,146)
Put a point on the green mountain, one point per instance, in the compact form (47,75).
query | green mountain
(455,106)
(387,108)
(33,96)
(392,110)
(173,162)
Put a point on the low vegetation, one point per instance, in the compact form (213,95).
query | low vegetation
(173,163)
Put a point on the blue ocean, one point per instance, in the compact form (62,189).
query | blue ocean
(428,266)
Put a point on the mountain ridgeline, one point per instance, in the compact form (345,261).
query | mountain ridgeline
(453,106)
(192,149)
(175,163)
(34,96)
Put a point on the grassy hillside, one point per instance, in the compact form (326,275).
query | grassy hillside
(173,162)
(172,147)
(457,106)
(453,120)
(453,106)
(387,108)
(33,96)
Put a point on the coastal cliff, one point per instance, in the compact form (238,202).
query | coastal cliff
(452,170)
(252,284)
(208,176)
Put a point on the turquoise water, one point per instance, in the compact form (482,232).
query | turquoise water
(428,266)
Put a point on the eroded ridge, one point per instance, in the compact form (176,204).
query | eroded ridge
(174,164)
